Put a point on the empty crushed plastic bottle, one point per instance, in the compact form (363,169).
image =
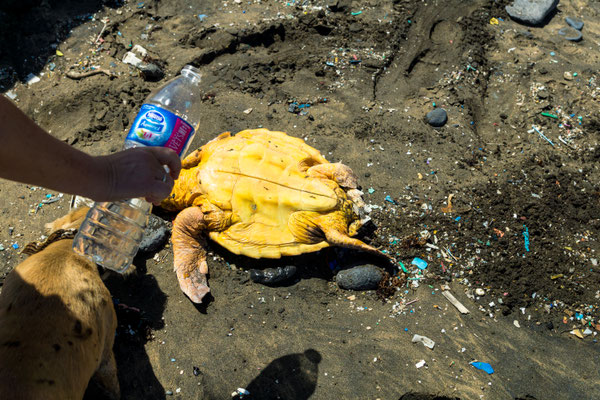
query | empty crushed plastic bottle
(112,231)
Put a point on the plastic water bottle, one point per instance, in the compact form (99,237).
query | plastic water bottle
(112,231)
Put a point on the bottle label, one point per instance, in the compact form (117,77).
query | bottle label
(155,126)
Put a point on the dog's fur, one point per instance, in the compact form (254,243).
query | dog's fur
(57,325)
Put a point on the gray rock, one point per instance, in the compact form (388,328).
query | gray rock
(437,117)
(151,72)
(363,277)
(575,22)
(155,235)
(571,34)
(531,12)
(270,276)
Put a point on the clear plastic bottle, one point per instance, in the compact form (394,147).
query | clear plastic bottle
(112,231)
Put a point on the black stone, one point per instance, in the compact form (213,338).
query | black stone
(437,117)
(363,277)
(155,235)
(270,276)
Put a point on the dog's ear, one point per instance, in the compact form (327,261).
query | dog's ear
(72,220)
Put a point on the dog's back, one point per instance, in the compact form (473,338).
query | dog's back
(57,326)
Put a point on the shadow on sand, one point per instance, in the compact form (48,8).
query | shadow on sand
(291,377)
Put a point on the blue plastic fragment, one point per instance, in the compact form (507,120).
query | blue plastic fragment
(371,190)
(526,237)
(421,264)
(389,199)
(15,246)
(201,17)
(483,366)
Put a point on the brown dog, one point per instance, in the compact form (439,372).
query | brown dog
(57,324)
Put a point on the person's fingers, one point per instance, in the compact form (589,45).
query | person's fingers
(169,158)
(160,189)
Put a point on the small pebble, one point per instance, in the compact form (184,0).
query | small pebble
(570,34)
(169,393)
(437,117)
(568,76)
(575,22)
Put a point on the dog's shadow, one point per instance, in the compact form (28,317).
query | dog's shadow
(139,303)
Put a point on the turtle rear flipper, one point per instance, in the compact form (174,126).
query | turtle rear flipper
(189,253)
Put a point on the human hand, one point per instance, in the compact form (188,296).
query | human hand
(137,172)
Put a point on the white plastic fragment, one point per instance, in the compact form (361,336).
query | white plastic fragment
(516,323)
(479,292)
(241,392)
(31,79)
(455,303)
(131,59)
(420,364)
(423,339)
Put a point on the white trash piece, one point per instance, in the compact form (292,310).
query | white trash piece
(423,339)
(420,364)
(131,57)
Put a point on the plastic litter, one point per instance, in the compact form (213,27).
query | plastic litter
(423,339)
(547,114)
(240,392)
(420,364)
(421,264)
(483,366)
(526,237)
(577,333)
(459,306)
(31,79)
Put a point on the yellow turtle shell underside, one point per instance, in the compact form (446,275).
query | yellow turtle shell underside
(261,176)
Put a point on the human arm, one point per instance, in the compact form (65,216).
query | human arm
(29,154)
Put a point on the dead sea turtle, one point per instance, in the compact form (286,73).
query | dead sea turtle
(261,194)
